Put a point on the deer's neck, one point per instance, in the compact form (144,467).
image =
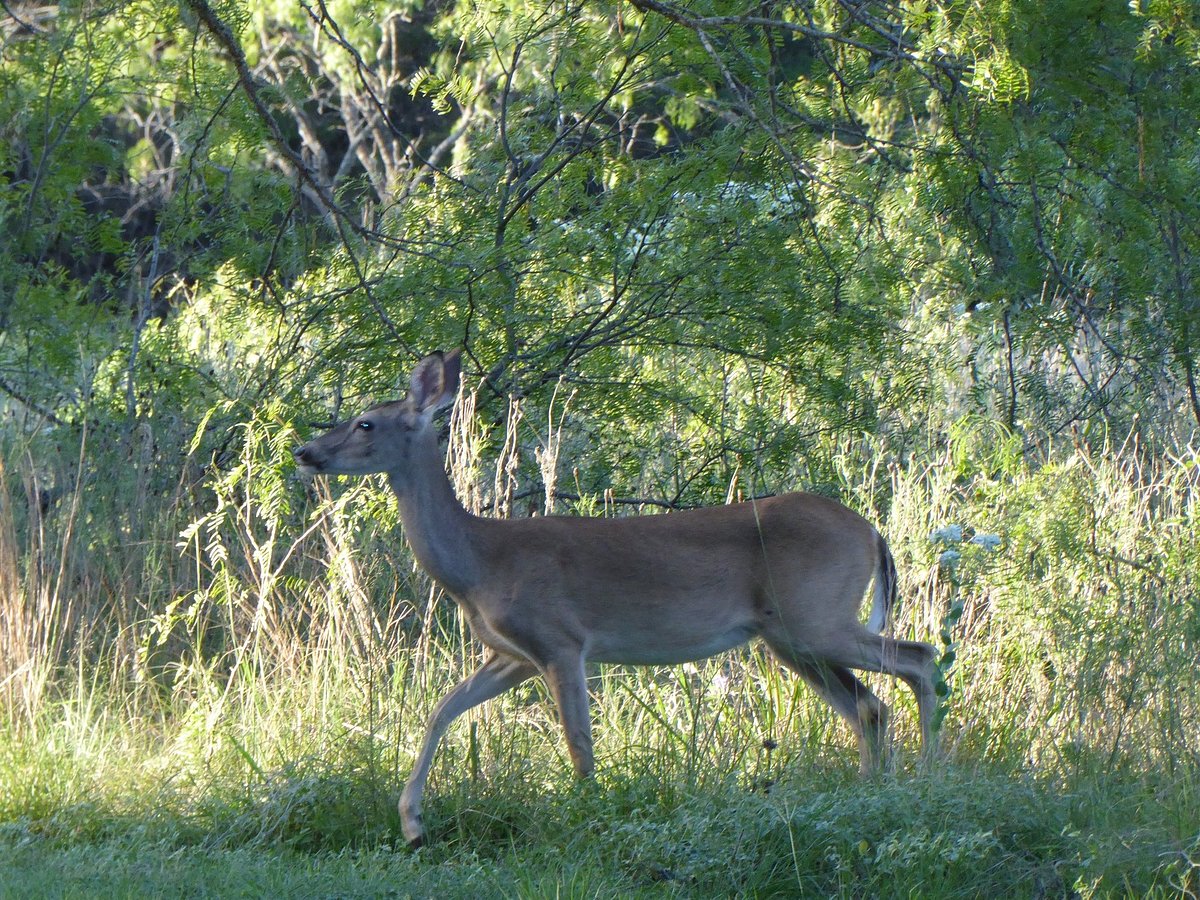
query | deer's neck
(438,528)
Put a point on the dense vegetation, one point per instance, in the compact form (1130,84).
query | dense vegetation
(937,259)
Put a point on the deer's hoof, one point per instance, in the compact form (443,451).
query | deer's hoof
(411,824)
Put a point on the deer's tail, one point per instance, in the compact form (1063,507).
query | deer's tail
(885,589)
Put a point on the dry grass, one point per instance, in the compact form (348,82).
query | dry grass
(262,681)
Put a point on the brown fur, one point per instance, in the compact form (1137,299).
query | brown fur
(546,595)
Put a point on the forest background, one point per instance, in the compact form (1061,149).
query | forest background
(936,259)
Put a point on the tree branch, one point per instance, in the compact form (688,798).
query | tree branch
(897,49)
(27,401)
(226,38)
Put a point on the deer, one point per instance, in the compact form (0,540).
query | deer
(549,594)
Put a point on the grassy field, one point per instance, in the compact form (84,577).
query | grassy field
(681,807)
(957,834)
(235,716)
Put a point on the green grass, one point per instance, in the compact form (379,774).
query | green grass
(957,834)
(238,720)
(101,807)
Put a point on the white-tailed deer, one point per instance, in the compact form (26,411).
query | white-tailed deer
(546,595)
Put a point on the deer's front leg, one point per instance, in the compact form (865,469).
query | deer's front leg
(568,684)
(497,675)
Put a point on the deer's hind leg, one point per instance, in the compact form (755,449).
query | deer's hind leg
(913,662)
(865,713)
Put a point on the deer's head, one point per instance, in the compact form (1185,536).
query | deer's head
(381,439)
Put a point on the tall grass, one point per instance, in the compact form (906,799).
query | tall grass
(251,663)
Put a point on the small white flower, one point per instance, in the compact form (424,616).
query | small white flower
(986,541)
(947,534)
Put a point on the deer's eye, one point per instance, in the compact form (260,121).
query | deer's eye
(365,425)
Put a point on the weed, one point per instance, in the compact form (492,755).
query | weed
(251,711)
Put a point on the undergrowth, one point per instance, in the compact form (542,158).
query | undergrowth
(247,713)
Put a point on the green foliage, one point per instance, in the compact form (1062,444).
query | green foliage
(302,675)
(929,259)
(626,195)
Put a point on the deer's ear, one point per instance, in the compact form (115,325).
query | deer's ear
(434,381)
(452,371)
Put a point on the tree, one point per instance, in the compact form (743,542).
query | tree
(762,226)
